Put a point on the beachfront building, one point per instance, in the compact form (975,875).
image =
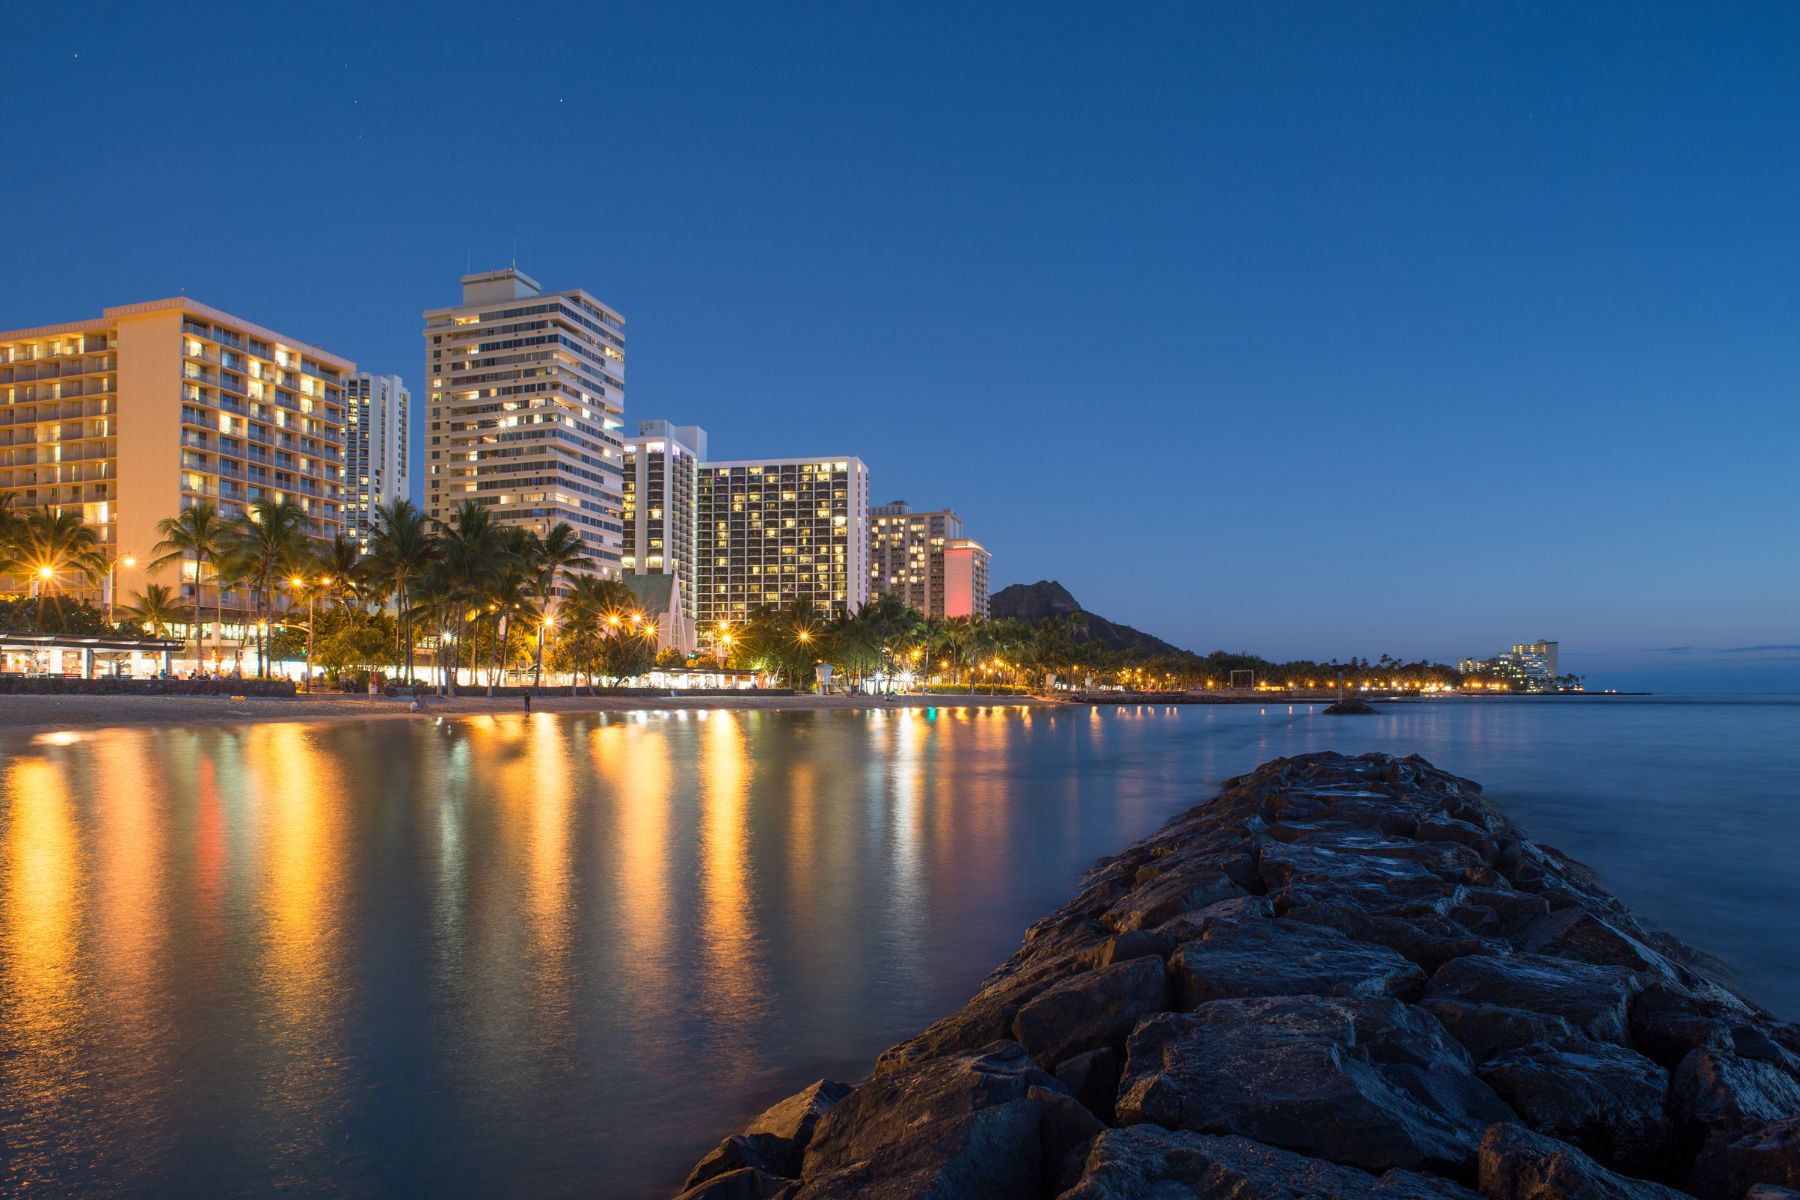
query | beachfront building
(906,554)
(130,416)
(377,461)
(1527,667)
(965,578)
(777,530)
(923,558)
(525,396)
(659,598)
(661,493)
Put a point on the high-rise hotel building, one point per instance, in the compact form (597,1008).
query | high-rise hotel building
(377,453)
(966,578)
(661,495)
(906,554)
(131,416)
(922,558)
(525,394)
(773,531)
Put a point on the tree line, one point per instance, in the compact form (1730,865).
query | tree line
(487,599)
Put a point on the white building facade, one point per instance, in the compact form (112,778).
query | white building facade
(660,507)
(377,449)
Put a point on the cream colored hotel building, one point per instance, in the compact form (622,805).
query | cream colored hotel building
(525,394)
(131,416)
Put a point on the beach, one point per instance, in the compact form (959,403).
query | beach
(36,712)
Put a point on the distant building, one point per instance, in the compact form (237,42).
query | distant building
(660,497)
(776,530)
(131,416)
(965,579)
(525,391)
(923,558)
(906,554)
(1527,667)
(377,458)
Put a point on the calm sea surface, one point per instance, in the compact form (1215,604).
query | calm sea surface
(561,956)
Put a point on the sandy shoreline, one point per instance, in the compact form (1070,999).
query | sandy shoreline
(45,713)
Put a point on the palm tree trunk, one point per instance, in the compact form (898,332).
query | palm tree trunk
(199,648)
(218,601)
(537,667)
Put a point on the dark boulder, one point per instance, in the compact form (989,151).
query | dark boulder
(1377,873)
(1371,1083)
(1138,943)
(1716,1091)
(1445,828)
(1667,1023)
(1285,958)
(757,1151)
(1752,1041)
(746,1183)
(1093,1079)
(1091,1010)
(1168,896)
(1350,706)
(1731,1162)
(1597,1096)
(796,1117)
(1427,938)
(1517,1164)
(1487,1030)
(1190,925)
(985,1126)
(1147,1162)
(988,1017)
(1591,998)
(1578,934)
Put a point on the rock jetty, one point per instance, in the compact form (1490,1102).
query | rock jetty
(1344,977)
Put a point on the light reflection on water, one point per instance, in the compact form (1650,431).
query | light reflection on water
(560,955)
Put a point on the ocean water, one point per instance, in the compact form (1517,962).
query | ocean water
(562,955)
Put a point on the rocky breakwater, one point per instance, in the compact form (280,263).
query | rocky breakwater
(1345,977)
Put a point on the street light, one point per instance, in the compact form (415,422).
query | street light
(547,621)
(112,583)
(312,595)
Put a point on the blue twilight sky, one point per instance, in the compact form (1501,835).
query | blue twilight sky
(1305,329)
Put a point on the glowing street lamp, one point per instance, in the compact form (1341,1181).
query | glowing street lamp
(112,582)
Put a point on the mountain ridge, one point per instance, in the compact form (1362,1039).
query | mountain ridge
(1032,602)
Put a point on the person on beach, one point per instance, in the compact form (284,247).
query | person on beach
(528,702)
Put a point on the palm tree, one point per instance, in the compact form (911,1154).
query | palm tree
(340,571)
(155,608)
(201,534)
(400,550)
(267,543)
(889,622)
(509,592)
(592,611)
(555,555)
(10,525)
(50,543)
(472,557)
(957,633)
